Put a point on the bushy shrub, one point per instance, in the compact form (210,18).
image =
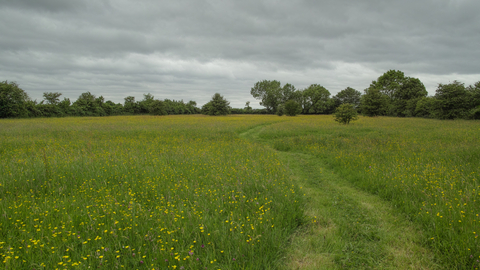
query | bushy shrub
(280,110)
(345,113)
(13,100)
(217,106)
(292,108)
(157,107)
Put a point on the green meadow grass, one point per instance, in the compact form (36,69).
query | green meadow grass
(428,170)
(142,192)
(187,192)
(352,229)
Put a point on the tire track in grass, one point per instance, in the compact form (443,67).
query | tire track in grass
(347,228)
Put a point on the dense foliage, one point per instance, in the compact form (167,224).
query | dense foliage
(292,108)
(345,113)
(217,106)
(392,94)
(14,102)
(348,95)
(374,102)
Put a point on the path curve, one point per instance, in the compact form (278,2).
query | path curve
(347,228)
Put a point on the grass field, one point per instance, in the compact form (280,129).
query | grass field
(427,169)
(141,192)
(187,192)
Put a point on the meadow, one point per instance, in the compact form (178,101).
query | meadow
(427,169)
(188,192)
(142,192)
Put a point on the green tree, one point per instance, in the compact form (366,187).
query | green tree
(13,100)
(389,83)
(217,106)
(426,107)
(348,95)
(157,107)
(299,98)
(292,108)
(99,106)
(270,94)
(316,99)
(400,90)
(410,107)
(192,107)
(34,109)
(287,93)
(345,113)
(129,105)
(473,93)
(411,90)
(144,105)
(51,108)
(280,110)
(52,98)
(88,104)
(452,101)
(64,105)
(175,107)
(85,103)
(374,102)
(111,108)
(247,108)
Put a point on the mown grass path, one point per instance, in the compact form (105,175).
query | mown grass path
(349,228)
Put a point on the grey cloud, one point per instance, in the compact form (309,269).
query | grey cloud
(44,5)
(192,49)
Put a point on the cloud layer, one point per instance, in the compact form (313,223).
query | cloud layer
(189,49)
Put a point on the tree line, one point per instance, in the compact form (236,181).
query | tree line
(14,102)
(392,94)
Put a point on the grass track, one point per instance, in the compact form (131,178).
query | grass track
(351,229)
(426,169)
(354,230)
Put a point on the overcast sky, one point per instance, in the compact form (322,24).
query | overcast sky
(191,49)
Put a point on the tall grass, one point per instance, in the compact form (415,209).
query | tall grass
(176,192)
(428,169)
